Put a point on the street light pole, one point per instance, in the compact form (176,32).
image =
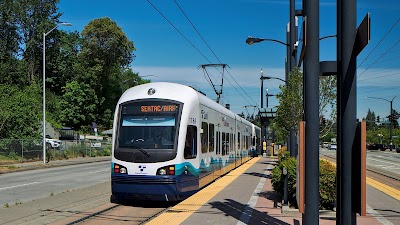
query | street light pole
(44,86)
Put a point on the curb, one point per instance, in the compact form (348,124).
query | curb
(20,167)
(323,214)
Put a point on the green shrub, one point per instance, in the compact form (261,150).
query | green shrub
(13,156)
(327,181)
(278,179)
(283,153)
(327,184)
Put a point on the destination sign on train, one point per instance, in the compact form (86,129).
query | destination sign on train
(158,108)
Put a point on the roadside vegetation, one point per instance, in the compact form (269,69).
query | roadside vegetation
(327,180)
(85,70)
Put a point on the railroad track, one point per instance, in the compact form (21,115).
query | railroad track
(129,213)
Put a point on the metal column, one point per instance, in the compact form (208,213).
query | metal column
(347,105)
(311,63)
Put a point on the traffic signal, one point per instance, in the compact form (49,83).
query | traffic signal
(377,119)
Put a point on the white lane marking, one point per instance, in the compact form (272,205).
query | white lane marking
(396,164)
(246,215)
(99,171)
(21,185)
(378,216)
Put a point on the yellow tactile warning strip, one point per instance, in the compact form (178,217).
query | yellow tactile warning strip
(384,188)
(381,187)
(183,210)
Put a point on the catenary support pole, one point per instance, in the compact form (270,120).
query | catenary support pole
(311,62)
(347,103)
(292,62)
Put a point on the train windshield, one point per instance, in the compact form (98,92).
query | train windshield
(147,131)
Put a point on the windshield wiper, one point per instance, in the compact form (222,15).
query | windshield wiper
(144,152)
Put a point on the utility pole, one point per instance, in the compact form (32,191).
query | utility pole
(347,106)
(311,96)
(292,63)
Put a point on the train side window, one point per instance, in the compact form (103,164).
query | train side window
(204,137)
(218,141)
(239,147)
(228,143)
(223,143)
(191,143)
(211,135)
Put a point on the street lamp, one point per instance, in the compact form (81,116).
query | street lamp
(277,78)
(390,118)
(44,86)
(251,40)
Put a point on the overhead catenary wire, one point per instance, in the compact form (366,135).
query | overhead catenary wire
(194,27)
(155,8)
(379,58)
(379,43)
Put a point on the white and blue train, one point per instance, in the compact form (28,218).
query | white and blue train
(169,141)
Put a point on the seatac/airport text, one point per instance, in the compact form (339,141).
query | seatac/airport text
(158,108)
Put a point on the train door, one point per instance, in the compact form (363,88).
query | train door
(191,142)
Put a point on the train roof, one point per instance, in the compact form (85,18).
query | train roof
(178,92)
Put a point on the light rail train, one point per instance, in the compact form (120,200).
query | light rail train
(170,140)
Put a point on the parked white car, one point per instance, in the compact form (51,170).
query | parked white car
(54,143)
(332,146)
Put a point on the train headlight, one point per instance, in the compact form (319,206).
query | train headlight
(162,172)
(122,170)
(119,169)
(166,170)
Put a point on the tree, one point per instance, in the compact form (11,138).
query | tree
(370,120)
(78,105)
(105,51)
(327,100)
(35,17)
(62,60)
(395,119)
(10,41)
(20,114)
(290,109)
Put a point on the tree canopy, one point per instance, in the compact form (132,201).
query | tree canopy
(84,70)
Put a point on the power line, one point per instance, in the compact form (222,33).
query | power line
(379,58)
(379,43)
(178,31)
(197,31)
(194,27)
(155,8)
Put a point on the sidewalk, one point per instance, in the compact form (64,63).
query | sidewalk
(271,204)
(39,164)
(243,196)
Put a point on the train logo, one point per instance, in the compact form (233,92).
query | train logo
(141,167)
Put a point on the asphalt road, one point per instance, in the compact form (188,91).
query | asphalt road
(385,161)
(20,187)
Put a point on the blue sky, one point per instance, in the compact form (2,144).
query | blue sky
(224,25)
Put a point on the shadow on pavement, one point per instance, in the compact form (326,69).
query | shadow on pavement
(249,216)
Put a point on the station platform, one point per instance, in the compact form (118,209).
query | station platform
(245,196)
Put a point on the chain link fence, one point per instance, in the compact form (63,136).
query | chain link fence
(23,150)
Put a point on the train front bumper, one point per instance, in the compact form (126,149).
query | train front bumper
(140,187)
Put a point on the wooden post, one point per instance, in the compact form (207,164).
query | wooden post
(301,167)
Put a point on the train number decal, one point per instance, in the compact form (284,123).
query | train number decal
(192,120)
